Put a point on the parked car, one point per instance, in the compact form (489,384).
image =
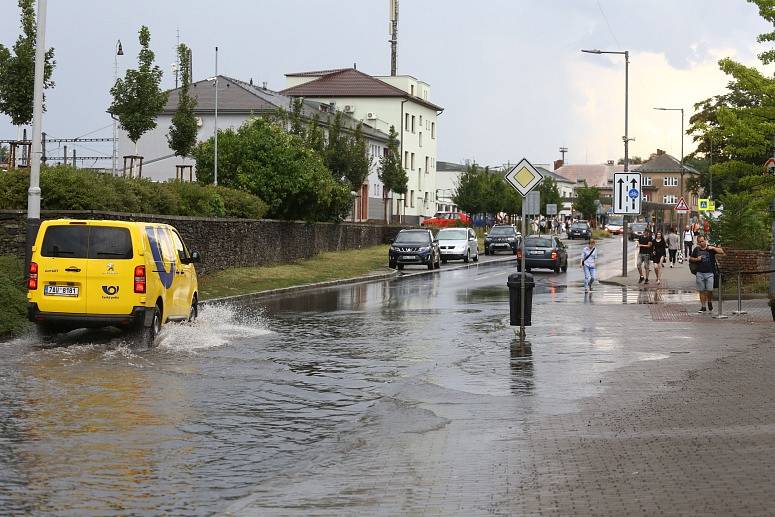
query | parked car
(458,244)
(414,247)
(580,230)
(544,251)
(130,275)
(637,230)
(502,237)
(446,219)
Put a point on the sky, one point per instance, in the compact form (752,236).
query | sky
(509,73)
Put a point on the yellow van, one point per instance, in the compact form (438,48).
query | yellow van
(130,275)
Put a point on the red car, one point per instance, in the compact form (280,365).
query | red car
(445,219)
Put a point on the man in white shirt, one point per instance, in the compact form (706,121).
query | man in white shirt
(688,236)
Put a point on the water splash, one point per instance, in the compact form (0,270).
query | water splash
(217,325)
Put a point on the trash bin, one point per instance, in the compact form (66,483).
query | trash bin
(515,299)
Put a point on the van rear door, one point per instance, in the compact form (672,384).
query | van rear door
(110,275)
(62,268)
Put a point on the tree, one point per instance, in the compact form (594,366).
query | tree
(391,172)
(634,160)
(358,159)
(584,202)
(138,99)
(262,158)
(550,194)
(315,139)
(17,70)
(336,154)
(183,131)
(3,153)
(296,118)
(470,193)
(742,223)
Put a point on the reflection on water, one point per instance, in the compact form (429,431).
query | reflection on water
(521,365)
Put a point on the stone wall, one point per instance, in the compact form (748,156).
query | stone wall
(226,243)
(744,260)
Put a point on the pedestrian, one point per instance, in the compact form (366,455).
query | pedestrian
(673,244)
(588,257)
(658,253)
(645,246)
(688,241)
(704,257)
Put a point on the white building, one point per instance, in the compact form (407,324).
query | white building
(237,102)
(385,101)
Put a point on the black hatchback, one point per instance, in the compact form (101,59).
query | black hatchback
(418,247)
(580,230)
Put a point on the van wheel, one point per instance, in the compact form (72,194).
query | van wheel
(49,330)
(194,313)
(148,335)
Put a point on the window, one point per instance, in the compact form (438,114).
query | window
(411,90)
(421,140)
(670,181)
(406,122)
(411,197)
(420,121)
(669,199)
(646,181)
(406,159)
(406,201)
(179,246)
(81,241)
(412,123)
(433,130)
(644,198)
(426,164)
(412,161)
(425,200)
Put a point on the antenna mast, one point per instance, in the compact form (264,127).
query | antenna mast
(393,36)
(177,57)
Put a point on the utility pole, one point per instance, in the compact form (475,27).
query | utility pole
(33,194)
(563,150)
(215,165)
(772,245)
(393,37)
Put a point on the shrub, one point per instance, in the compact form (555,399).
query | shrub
(13,295)
(66,188)
(743,222)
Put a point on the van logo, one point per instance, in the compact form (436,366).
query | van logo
(110,267)
(110,290)
(158,238)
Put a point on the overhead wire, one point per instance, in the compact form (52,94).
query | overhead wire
(610,30)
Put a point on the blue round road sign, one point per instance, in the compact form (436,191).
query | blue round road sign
(633,193)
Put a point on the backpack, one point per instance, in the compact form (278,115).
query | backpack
(692,265)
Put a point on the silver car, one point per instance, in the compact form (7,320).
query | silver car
(457,244)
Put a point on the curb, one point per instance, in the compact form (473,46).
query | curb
(347,281)
(304,287)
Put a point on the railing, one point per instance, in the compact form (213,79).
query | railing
(740,287)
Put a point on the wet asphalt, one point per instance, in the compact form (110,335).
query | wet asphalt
(277,407)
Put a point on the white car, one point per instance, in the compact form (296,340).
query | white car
(457,244)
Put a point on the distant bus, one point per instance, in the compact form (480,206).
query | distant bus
(615,224)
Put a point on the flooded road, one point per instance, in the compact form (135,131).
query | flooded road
(293,404)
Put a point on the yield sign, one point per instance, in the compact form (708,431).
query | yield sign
(524,177)
(681,206)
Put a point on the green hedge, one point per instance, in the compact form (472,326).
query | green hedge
(13,296)
(66,188)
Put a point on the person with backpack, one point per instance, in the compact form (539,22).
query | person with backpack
(688,241)
(702,263)
(673,245)
(588,257)
(658,253)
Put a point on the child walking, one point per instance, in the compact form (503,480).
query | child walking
(588,257)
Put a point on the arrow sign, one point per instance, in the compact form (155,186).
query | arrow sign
(627,193)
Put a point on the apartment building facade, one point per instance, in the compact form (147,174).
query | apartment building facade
(385,101)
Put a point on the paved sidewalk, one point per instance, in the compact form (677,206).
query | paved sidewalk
(676,278)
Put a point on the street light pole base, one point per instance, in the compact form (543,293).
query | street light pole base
(720,317)
(739,312)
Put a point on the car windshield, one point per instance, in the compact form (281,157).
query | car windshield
(502,231)
(580,225)
(452,235)
(616,220)
(412,238)
(638,227)
(538,242)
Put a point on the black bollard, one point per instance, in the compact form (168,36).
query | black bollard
(515,298)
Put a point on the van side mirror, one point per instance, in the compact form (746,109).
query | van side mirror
(195,257)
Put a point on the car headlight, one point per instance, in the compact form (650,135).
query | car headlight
(511,239)
(424,249)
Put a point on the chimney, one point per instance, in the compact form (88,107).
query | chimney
(558,164)
(660,152)
(610,162)
(263,85)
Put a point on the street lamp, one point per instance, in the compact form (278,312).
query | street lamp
(682,144)
(119,52)
(625,138)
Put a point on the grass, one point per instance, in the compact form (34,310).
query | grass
(13,296)
(600,234)
(321,268)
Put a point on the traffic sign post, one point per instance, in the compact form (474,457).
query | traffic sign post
(681,206)
(524,178)
(627,193)
(706,205)
(551,209)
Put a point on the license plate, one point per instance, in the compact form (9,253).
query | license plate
(60,290)
(409,257)
(536,252)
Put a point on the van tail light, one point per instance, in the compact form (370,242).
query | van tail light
(140,279)
(554,254)
(32,279)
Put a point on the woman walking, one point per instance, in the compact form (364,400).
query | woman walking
(588,257)
(673,245)
(658,253)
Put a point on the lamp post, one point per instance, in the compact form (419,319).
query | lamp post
(119,52)
(682,146)
(625,138)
